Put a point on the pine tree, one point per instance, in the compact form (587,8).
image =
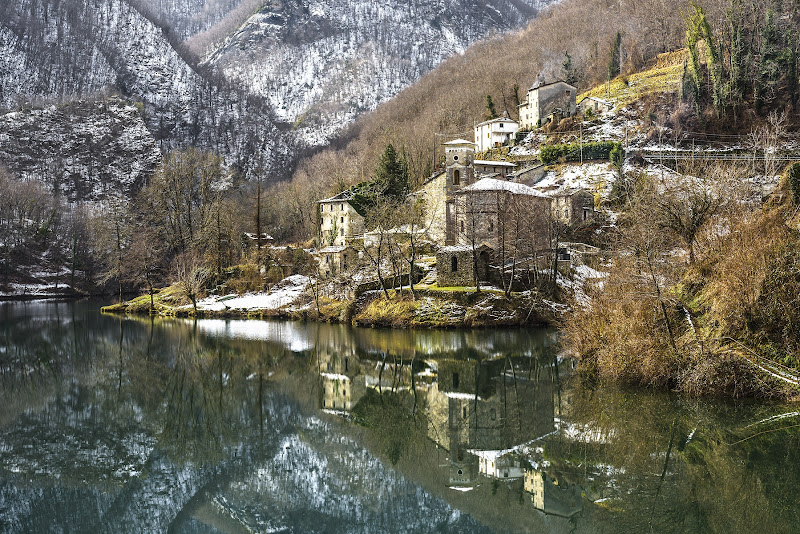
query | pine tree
(614,64)
(570,75)
(490,109)
(392,174)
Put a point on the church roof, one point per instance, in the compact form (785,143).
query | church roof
(493,184)
(459,142)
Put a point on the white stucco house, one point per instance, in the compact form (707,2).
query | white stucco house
(495,132)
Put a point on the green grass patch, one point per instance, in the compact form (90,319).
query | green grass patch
(663,77)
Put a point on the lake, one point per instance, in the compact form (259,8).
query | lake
(111,424)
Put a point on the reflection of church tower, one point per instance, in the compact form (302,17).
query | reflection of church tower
(459,156)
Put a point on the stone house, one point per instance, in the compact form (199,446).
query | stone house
(500,464)
(333,260)
(551,496)
(495,133)
(573,206)
(492,212)
(495,169)
(597,106)
(455,265)
(340,392)
(545,98)
(433,196)
(339,221)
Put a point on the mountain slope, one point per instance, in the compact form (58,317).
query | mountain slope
(83,149)
(321,64)
(68,49)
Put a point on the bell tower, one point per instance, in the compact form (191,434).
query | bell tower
(459,155)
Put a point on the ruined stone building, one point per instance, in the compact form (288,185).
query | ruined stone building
(544,99)
(339,221)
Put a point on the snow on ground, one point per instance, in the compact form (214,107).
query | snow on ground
(582,276)
(595,177)
(584,433)
(282,294)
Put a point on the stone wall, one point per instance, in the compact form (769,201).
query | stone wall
(432,193)
(454,267)
(339,217)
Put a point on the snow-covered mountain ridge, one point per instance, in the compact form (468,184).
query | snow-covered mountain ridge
(322,63)
(67,50)
(292,76)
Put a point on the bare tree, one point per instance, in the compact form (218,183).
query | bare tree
(381,219)
(191,276)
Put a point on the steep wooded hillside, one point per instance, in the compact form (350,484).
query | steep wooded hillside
(81,150)
(574,39)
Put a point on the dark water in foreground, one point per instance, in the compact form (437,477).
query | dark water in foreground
(133,425)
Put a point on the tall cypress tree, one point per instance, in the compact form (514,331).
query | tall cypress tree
(491,111)
(392,174)
(614,65)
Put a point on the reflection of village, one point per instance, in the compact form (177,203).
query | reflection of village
(491,420)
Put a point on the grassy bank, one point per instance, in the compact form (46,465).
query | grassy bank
(431,308)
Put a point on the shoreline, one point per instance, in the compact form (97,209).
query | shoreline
(431,309)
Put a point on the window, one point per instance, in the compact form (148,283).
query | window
(464,412)
(568,92)
(341,220)
(491,225)
(454,264)
(456,176)
(327,258)
(462,227)
(566,213)
(346,364)
(455,158)
(455,381)
(341,232)
(501,125)
(341,207)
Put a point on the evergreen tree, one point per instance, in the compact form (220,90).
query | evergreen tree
(769,67)
(614,63)
(570,75)
(490,109)
(392,174)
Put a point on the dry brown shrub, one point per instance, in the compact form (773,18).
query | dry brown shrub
(727,373)
(246,278)
(622,336)
(738,273)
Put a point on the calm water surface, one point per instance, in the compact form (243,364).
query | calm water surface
(139,425)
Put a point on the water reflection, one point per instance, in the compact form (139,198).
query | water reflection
(112,424)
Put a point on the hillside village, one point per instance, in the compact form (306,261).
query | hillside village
(487,221)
